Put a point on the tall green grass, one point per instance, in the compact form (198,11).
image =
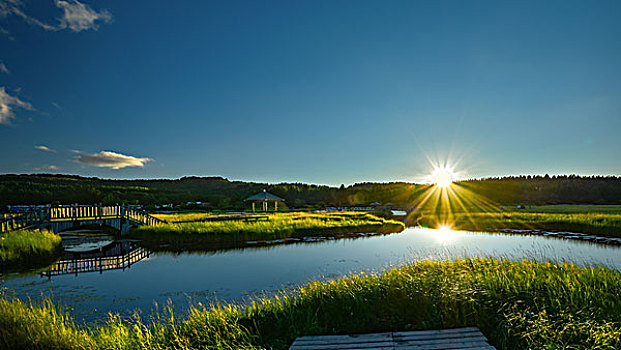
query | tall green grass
(28,249)
(518,305)
(279,226)
(584,222)
(572,208)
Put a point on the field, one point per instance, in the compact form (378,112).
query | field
(28,249)
(279,226)
(517,305)
(602,220)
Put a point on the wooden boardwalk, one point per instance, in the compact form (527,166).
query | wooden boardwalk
(469,338)
(62,217)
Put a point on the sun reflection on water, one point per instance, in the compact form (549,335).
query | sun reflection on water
(444,234)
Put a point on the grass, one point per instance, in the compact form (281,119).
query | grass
(518,305)
(601,220)
(585,222)
(28,249)
(279,226)
(572,208)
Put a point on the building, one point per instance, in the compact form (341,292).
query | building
(264,198)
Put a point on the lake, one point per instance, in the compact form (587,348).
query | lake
(238,275)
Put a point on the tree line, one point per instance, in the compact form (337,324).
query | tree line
(221,193)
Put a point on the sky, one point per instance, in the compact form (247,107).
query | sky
(327,92)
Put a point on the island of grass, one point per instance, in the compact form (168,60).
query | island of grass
(517,305)
(180,232)
(600,220)
(25,249)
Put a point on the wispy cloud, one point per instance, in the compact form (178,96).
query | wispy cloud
(47,168)
(44,148)
(79,17)
(5,32)
(8,103)
(76,15)
(3,68)
(109,159)
(14,7)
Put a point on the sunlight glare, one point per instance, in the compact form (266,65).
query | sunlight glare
(444,234)
(442,177)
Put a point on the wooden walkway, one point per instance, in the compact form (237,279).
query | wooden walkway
(469,338)
(67,214)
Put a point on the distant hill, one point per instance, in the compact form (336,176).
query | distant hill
(220,193)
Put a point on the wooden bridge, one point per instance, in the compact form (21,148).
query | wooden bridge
(63,217)
(115,256)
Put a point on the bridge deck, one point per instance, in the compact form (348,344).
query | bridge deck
(40,216)
(469,338)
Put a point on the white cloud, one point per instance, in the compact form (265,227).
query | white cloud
(44,148)
(76,15)
(3,68)
(79,17)
(108,159)
(7,104)
(47,168)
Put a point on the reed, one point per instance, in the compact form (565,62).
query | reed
(518,305)
(279,226)
(28,249)
(603,224)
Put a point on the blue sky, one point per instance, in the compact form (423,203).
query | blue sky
(323,92)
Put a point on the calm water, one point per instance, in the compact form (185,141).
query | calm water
(236,275)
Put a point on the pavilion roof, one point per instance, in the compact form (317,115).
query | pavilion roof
(264,196)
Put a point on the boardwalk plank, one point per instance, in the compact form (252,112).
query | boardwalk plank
(467,338)
(347,337)
(439,336)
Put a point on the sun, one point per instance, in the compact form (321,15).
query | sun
(442,177)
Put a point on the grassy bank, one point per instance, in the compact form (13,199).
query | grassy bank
(279,226)
(28,249)
(602,224)
(518,305)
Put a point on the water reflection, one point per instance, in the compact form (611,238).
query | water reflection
(233,275)
(114,255)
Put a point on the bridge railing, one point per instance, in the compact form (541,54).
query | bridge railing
(143,217)
(26,219)
(73,212)
(23,220)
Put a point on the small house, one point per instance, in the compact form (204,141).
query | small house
(264,198)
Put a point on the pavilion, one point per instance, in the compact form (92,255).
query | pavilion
(264,198)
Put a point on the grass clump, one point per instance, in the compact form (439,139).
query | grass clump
(603,224)
(279,226)
(518,305)
(28,249)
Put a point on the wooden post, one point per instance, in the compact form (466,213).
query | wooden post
(253,207)
(275,205)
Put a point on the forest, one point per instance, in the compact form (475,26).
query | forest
(221,193)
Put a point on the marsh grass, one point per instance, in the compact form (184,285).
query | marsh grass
(28,249)
(518,305)
(572,208)
(279,226)
(603,224)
